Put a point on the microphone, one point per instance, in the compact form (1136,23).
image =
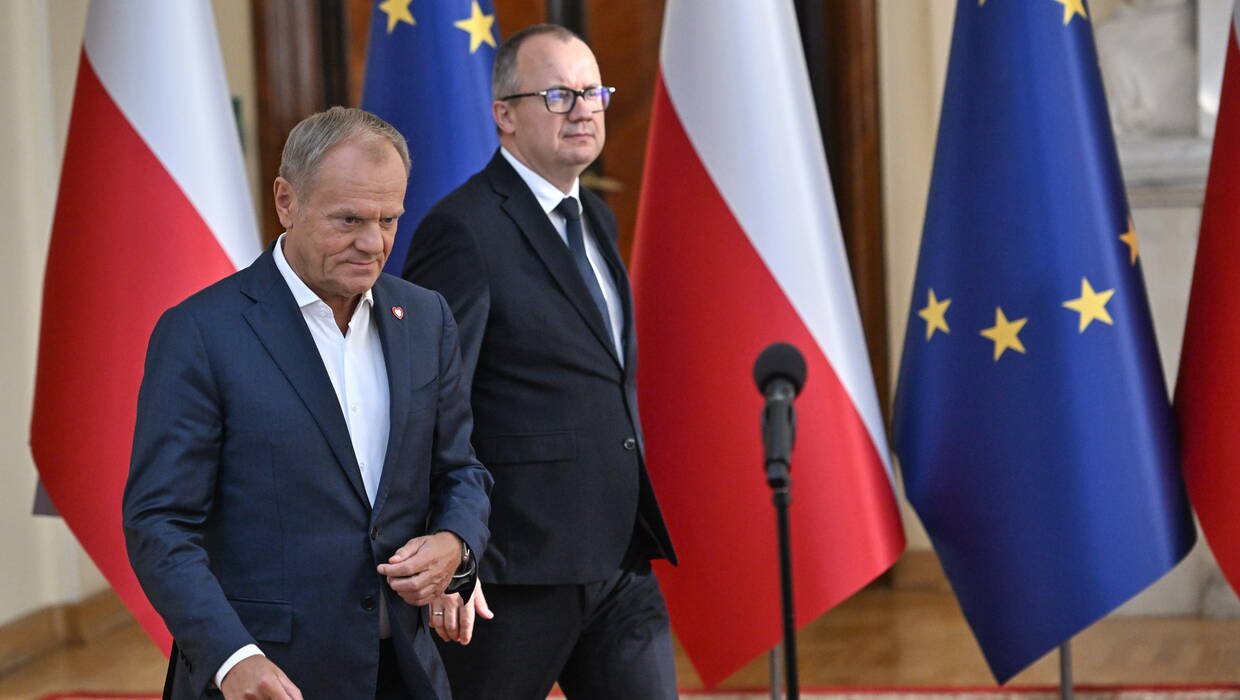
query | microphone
(779,373)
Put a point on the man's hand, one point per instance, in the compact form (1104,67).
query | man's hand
(256,678)
(456,623)
(421,570)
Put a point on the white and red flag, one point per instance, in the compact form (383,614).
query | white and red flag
(153,206)
(1207,397)
(738,245)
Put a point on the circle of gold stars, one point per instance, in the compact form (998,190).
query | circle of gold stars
(479,25)
(1090,306)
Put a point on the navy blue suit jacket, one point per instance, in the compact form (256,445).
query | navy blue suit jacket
(245,516)
(555,409)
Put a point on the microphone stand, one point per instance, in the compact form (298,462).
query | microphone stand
(780,481)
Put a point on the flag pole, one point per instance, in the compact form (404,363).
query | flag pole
(772,664)
(1065,670)
(778,478)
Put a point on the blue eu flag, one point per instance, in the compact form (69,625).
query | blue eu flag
(428,73)
(1031,420)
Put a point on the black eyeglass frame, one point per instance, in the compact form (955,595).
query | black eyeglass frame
(577,94)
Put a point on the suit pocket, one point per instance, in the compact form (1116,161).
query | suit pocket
(526,448)
(267,620)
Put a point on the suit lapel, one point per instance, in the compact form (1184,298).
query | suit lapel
(398,354)
(278,323)
(606,239)
(522,206)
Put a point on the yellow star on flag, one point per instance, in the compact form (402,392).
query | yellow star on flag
(935,314)
(397,12)
(479,27)
(1091,305)
(1071,8)
(1005,333)
(1129,238)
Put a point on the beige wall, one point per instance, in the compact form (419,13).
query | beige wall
(913,42)
(42,564)
(40,44)
(232,19)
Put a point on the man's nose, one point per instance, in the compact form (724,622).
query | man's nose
(370,238)
(581,110)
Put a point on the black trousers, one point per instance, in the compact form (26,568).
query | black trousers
(602,640)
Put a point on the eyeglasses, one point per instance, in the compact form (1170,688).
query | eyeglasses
(562,100)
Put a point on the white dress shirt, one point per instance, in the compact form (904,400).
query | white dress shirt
(549,197)
(354,363)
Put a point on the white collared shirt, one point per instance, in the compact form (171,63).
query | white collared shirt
(354,363)
(549,197)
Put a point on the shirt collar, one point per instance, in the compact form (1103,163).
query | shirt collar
(302,294)
(548,195)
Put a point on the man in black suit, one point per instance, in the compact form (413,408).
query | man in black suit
(528,262)
(302,479)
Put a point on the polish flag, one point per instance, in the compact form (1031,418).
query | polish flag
(153,206)
(1207,397)
(738,245)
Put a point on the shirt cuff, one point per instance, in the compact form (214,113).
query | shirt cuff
(238,656)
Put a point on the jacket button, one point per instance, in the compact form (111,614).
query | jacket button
(630,444)
(368,603)
(374,533)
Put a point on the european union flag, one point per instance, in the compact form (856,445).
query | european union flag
(428,73)
(1032,421)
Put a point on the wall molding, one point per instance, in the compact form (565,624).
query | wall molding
(56,626)
(919,570)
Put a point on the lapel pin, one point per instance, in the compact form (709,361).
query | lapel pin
(398,312)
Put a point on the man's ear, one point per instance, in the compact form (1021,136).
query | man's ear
(286,202)
(504,117)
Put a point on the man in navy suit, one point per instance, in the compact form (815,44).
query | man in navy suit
(527,259)
(302,478)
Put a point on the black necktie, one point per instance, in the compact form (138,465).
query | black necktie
(576,244)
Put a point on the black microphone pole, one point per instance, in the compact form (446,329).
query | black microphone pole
(780,373)
(778,433)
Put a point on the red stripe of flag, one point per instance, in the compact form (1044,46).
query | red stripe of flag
(706,305)
(1208,391)
(126,244)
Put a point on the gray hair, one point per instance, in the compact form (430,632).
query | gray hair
(504,78)
(314,136)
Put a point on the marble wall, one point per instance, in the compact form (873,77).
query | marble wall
(1161,63)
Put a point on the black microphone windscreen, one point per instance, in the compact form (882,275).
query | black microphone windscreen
(779,360)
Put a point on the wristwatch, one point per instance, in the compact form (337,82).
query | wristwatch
(464,572)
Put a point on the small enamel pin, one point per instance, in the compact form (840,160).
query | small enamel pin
(398,312)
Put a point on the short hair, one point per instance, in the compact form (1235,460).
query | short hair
(504,78)
(309,142)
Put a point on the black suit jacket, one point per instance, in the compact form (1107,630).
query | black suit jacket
(555,411)
(245,515)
